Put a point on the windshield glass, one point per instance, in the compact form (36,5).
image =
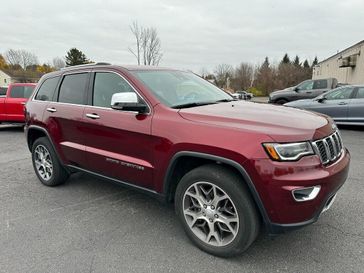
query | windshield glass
(177,89)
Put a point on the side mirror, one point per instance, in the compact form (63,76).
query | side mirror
(296,89)
(321,100)
(128,101)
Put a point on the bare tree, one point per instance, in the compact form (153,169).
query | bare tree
(58,63)
(138,34)
(223,72)
(243,77)
(148,49)
(21,57)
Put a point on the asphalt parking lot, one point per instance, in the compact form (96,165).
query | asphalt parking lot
(90,225)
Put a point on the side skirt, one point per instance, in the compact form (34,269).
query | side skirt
(154,194)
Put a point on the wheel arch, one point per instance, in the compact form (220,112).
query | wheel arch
(170,183)
(34,132)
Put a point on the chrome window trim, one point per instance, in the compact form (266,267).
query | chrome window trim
(97,107)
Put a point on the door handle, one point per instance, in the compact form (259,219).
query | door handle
(308,92)
(23,103)
(51,109)
(93,116)
(342,103)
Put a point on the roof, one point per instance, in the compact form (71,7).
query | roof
(341,52)
(5,72)
(127,67)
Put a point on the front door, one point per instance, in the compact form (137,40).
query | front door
(119,143)
(336,103)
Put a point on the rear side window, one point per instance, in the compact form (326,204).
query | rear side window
(23,92)
(107,84)
(73,89)
(46,91)
(360,93)
(320,84)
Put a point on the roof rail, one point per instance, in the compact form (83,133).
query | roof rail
(84,65)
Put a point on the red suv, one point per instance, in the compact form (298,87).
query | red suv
(229,166)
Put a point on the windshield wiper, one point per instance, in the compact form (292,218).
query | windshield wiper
(225,100)
(192,104)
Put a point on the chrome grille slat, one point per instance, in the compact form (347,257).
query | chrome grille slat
(329,148)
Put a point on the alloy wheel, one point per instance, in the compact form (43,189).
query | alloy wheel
(210,214)
(43,162)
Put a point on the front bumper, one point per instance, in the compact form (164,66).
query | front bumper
(275,182)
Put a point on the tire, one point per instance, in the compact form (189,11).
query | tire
(236,204)
(51,177)
(281,101)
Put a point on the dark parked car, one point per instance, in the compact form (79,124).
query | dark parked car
(143,128)
(344,104)
(305,90)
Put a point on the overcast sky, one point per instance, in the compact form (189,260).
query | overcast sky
(195,34)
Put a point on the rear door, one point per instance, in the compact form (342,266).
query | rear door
(63,117)
(119,143)
(14,103)
(356,106)
(336,103)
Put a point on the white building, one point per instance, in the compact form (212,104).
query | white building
(5,79)
(347,66)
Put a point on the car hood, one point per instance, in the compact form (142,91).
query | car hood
(279,122)
(281,92)
(300,103)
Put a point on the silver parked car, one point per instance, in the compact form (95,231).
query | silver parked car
(344,104)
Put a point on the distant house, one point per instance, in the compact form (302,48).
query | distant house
(5,79)
(8,76)
(347,66)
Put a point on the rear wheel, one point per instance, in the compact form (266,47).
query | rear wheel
(46,164)
(216,210)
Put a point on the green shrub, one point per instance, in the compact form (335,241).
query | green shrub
(255,92)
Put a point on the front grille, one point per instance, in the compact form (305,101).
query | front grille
(329,148)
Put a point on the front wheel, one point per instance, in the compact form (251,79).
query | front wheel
(216,210)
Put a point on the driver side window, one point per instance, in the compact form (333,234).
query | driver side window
(339,94)
(107,84)
(306,86)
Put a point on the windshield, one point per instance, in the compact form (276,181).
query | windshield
(178,89)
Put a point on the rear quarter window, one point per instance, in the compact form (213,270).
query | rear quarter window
(47,89)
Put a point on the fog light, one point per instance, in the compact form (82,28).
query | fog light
(306,194)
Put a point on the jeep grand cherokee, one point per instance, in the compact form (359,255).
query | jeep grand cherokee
(228,166)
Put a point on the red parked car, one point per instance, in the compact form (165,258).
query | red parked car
(12,101)
(229,166)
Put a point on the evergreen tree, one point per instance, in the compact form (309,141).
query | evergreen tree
(286,59)
(266,63)
(76,57)
(296,61)
(306,64)
(315,62)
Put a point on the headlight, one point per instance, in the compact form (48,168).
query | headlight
(288,151)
